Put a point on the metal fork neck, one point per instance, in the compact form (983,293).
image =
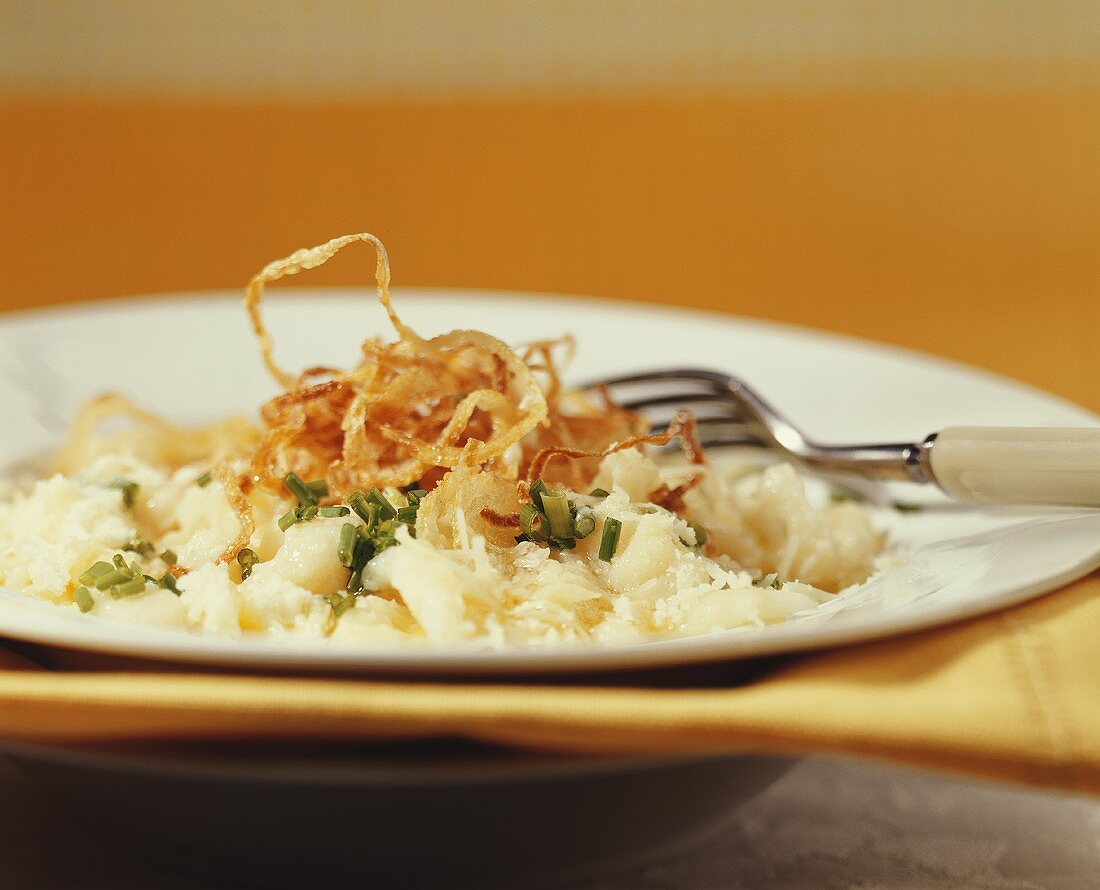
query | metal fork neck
(906,462)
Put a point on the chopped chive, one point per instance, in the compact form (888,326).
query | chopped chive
(355,581)
(96,571)
(365,548)
(149,579)
(299,489)
(839,495)
(562,543)
(247,558)
(333,512)
(406,515)
(128,588)
(700,533)
(318,487)
(138,544)
(340,604)
(556,508)
(168,582)
(128,488)
(903,507)
(113,577)
(205,479)
(385,508)
(119,560)
(83,599)
(584,525)
(609,543)
(532,522)
(168,557)
(306,512)
(346,547)
(599,493)
(357,500)
(537,490)
(415,495)
(287,520)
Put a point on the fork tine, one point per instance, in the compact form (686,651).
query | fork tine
(727,414)
(716,431)
(673,375)
(679,399)
(723,421)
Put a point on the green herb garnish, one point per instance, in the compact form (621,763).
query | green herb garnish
(132,587)
(128,488)
(333,512)
(560,518)
(138,544)
(205,479)
(903,507)
(167,581)
(584,525)
(247,558)
(83,599)
(609,543)
(700,533)
(363,508)
(537,490)
(340,604)
(168,557)
(349,537)
(300,490)
(599,493)
(95,572)
(386,510)
(113,577)
(533,523)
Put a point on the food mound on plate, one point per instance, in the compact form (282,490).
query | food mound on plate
(445,490)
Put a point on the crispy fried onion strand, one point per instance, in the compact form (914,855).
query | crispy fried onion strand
(682,426)
(311,258)
(112,424)
(408,410)
(240,505)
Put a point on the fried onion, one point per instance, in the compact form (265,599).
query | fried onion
(462,409)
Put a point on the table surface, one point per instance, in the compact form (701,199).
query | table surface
(828,824)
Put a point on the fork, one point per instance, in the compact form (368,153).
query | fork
(973,464)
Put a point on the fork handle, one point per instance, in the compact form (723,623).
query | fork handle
(1018,465)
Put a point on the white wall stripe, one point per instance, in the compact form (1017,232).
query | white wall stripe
(342,49)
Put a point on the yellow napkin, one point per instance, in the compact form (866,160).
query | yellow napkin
(1015,695)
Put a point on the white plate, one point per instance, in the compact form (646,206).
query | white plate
(194,358)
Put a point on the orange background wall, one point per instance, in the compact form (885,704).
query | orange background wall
(965,223)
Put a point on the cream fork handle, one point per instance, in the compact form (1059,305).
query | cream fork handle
(1018,465)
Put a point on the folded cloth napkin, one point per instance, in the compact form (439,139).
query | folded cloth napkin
(1014,695)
